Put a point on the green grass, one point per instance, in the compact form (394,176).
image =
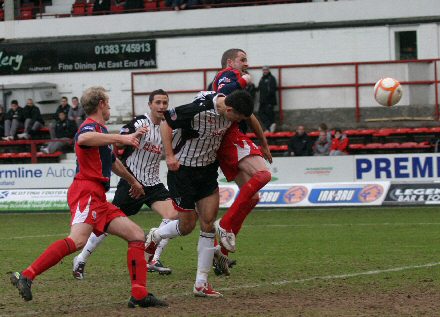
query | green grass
(282,254)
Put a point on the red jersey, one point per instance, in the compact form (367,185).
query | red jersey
(93,163)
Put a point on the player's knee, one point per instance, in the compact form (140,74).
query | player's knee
(263,177)
(187,225)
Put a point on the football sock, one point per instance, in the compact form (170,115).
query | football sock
(238,221)
(205,251)
(169,231)
(162,244)
(240,208)
(53,254)
(92,243)
(137,267)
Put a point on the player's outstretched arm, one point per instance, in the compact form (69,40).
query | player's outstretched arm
(136,189)
(100,139)
(167,141)
(258,130)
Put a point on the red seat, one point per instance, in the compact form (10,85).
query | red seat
(366,132)
(117,9)
(55,154)
(150,5)
(2,15)
(424,145)
(351,132)
(408,145)
(383,132)
(420,130)
(373,146)
(313,133)
(391,145)
(251,135)
(402,131)
(89,8)
(79,9)
(434,130)
(26,13)
(356,146)
(162,5)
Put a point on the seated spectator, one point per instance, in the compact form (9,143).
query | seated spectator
(14,120)
(339,144)
(300,144)
(76,112)
(101,7)
(65,129)
(33,121)
(63,107)
(2,121)
(322,144)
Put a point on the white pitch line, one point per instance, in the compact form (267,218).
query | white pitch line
(349,224)
(324,277)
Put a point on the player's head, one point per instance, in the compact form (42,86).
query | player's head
(95,100)
(158,102)
(239,105)
(235,58)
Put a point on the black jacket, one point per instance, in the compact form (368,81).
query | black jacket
(301,145)
(61,109)
(33,112)
(65,129)
(18,114)
(268,89)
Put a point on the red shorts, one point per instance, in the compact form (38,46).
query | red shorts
(88,204)
(235,146)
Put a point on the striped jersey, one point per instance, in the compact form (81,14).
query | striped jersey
(144,162)
(199,130)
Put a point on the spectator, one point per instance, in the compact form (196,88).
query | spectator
(76,112)
(268,100)
(65,129)
(101,7)
(322,145)
(14,120)
(63,107)
(33,121)
(300,144)
(339,144)
(2,121)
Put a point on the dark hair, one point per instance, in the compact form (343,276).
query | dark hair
(74,98)
(65,98)
(14,102)
(155,93)
(241,101)
(230,54)
(323,127)
(338,130)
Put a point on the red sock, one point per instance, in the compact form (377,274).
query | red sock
(137,266)
(53,254)
(238,211)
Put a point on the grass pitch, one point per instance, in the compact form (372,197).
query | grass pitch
(303,262)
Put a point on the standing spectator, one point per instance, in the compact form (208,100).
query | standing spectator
(65,129)
(63,107)
(76,112)
(2,121)
(300,144)
(33,121)
(268,100)
(14,120)
(339,143)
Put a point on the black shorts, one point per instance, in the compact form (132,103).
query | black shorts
(131,206)
(189,184)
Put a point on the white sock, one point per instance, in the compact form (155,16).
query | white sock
(169,230)
(163,243)
(205,249)
(91,246)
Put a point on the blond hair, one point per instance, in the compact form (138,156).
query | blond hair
(91,98)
